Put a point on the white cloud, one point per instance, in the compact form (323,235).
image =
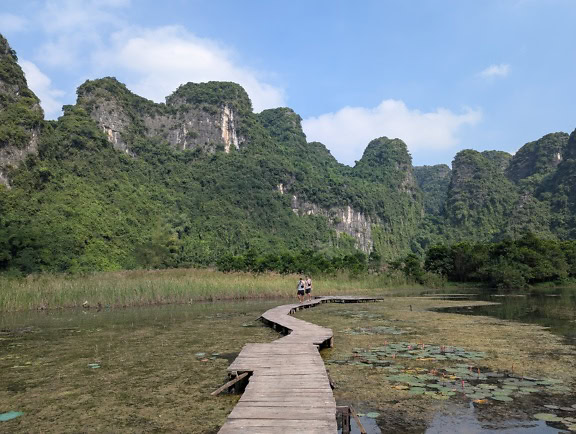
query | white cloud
(159,60)
(12,23)
(60,16)
(93,35)
(41,85)
(495,71)
(74,29)
(347,132)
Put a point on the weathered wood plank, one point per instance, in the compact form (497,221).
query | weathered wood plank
(230,383)
(285,404)
(293,423)
(317,413)
(276,430)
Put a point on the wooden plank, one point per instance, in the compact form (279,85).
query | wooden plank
(230,383)
(276,430)
(257,392)
(286,423)
(291,423)
(280,413)
(286,404)
(358,422)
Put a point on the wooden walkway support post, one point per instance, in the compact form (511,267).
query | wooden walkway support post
(344,413)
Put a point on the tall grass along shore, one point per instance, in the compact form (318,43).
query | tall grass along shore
(143,287)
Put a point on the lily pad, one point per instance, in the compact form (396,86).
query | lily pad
(417,391)
(548,417)
(503,398)
(529,389)
(10,415)
(440,397)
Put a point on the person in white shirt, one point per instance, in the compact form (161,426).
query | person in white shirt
(308,287)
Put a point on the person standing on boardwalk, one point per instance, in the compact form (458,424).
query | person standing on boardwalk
(300,289)
(308,287)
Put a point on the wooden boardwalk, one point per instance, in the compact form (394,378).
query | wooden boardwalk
(288,390)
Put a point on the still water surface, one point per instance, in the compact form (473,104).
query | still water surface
(45,363)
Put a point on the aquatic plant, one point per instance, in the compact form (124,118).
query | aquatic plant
(418,351)
(376,330)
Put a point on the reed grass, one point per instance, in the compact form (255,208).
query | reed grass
(144,287)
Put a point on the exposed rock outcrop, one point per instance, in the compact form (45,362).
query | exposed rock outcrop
(343,220)
(186,121)
(21,116)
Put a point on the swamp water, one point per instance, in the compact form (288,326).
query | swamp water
(554,311)
(123,370)
(416,370)
(152,369)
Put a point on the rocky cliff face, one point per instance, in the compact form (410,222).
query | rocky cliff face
(21,116)
(399,210)
(186,121)
(345,220)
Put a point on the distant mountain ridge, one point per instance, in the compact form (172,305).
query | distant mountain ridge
(120,182)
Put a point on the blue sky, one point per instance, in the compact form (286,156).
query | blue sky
(443,75)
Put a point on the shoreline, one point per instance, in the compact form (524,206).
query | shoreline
(129,288)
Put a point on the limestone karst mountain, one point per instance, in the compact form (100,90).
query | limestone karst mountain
(120,181)
(20,113)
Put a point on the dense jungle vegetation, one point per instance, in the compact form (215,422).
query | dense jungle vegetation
(77,201)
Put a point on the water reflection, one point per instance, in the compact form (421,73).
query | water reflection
(465,421)
(555,311)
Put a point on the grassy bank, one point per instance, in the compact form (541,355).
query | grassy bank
(143,287)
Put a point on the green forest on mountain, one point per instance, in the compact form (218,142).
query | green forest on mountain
(78,204)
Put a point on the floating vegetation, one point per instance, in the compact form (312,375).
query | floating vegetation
(407,350)
(470,382)
(359,314)
(250,324)
(376,330)
(548,417)
(568,421)
(464,380)
(205,357)
(10,415)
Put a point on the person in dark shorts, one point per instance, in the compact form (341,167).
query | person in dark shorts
(300,289)
(308,287)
